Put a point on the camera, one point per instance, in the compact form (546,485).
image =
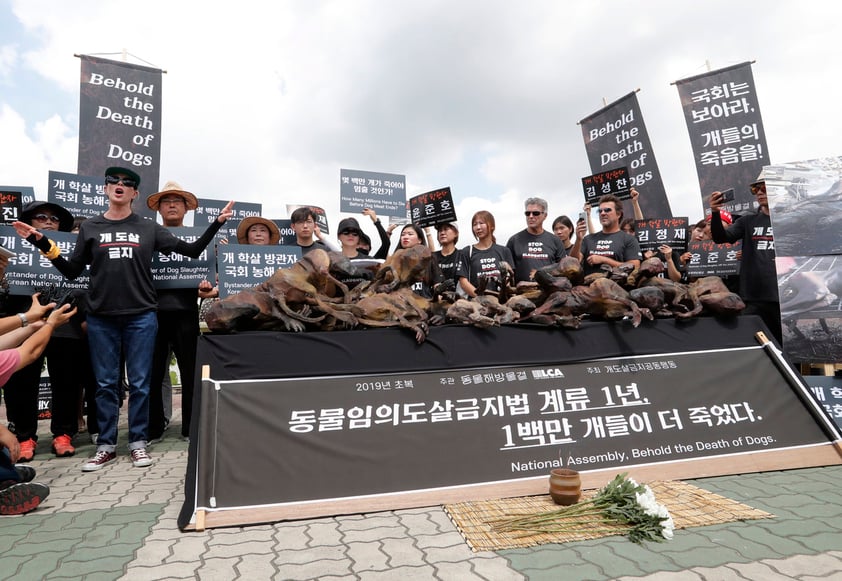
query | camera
(60,295)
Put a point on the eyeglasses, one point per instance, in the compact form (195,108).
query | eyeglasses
(349,233)
(532,213)
(606,210)
(113,180)
(46,218)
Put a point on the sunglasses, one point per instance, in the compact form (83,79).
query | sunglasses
(605,210)
(46,218)
(349,232)
(532,213)
(113,180)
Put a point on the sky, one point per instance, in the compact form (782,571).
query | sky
(267,101)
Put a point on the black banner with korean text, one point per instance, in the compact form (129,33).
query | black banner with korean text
(11,206)
(438,429)
(178,271)
(29,271)
(242,266)
(657,232)
(828,394)
(82,196)
(209,210)
(726,131)
(614,182)
(431,208)
(385,193)
(615,137)
(27,193)
(120,121)
(707,258)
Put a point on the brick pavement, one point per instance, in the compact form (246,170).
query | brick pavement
(120,523)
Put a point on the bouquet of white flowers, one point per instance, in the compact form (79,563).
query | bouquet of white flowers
(622,507)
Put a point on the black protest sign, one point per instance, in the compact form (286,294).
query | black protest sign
(288,237)
(707,258)
(209,210)
(10,206)
(828,394)
(672,232)
(242,266)
(469,426)
(431,208)
(616,136)
(120,120)
(170,271)
(722,114)
(82,196)
(27,193)
(29,271)
(385,193)
(613,181)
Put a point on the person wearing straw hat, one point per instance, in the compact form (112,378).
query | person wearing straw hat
(259,231)
(119,245)
(178,324)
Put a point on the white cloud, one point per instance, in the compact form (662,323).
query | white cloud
(267,101)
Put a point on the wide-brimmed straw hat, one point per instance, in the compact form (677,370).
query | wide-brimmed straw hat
(172,189)
(243,229)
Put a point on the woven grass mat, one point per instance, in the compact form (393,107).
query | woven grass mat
(689,506)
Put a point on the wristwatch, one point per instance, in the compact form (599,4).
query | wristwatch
(23,321)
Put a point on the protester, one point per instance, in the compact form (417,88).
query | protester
(486,259)
(384,234)
(258,231)
(448,257)
(178,321)
(304,222)
(534,247)
(119,245)
(412,236)
(18,494)
(23,386)
(758,277)
(611,246)
(563,228)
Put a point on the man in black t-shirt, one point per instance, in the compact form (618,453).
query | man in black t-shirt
(534,247)
(611,246)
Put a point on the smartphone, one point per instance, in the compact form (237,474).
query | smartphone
(6,252)
(582,216)
(728,195)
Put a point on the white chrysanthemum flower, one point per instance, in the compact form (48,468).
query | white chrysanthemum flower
(667,528)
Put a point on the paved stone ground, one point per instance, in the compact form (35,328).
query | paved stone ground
(120,523)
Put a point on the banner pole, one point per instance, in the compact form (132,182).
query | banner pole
(797,384)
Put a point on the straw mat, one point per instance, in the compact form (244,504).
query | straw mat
(689,506)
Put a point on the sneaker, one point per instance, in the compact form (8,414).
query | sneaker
(62,446)
(25,473)
(27,450)
(100,459)
(22,497)
(140,459)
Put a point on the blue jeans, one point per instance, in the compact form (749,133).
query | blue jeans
(110,338)
(7,469)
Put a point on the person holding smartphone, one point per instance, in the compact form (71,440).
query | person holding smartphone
(611,246)
(758,277)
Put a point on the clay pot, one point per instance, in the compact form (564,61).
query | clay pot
(565,486)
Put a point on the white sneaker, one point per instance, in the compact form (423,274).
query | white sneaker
(100,459)
(140,459)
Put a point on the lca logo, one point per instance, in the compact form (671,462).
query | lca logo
(547,373)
